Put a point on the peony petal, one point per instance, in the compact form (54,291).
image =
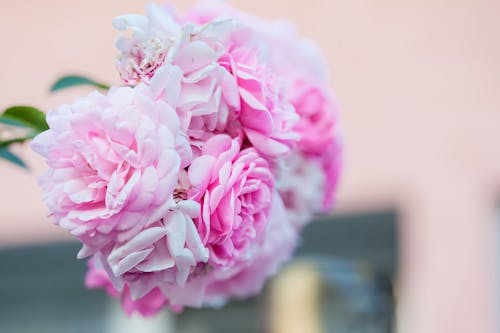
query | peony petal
(195,244)
(189,207)
(130,261)
(200,170)
(194,56)
(265,144)
(175,227)
(147,185)
(141,241)
(184,261)
(231,92)
(167,83)
(159,260)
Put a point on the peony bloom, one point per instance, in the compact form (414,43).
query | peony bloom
(190,185)
(266,116)
(207,98)
(146,50)
(318,113)
(301,67)
(215,75)
(183,69)
(249,277)
(235,192)
(114,163)
(320,141)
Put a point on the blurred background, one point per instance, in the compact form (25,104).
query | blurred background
(413,243)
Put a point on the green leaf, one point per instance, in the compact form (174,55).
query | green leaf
(28,116)
(6,143)
(10,122)
(74,81)
(11,157)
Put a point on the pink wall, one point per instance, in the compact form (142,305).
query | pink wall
(418,82)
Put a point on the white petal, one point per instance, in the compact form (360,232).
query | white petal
(130,262)
(176,233)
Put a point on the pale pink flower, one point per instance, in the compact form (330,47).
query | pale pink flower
(146,50)
(116,165)
(206,94)
(215,75)
(235,192)
(113,165)
(182,68)
(301,183)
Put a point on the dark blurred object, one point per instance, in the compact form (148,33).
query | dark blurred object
(345,267)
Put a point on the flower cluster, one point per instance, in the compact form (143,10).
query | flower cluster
(189,184)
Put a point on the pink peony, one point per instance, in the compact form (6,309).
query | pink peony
(190,186)
(266,116)
(318,113)
(301,66)
(249,277)
(114,163)
(235,192)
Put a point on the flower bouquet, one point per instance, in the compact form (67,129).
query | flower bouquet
(190,182)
